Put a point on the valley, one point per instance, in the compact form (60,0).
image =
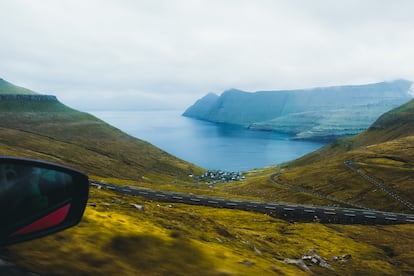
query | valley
(132,234)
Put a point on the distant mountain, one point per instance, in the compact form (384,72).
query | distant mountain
(317,113)
(396,124)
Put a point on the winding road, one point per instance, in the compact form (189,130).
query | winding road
(392,193)
(291,212)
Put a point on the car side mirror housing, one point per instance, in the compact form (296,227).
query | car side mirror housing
(38,198)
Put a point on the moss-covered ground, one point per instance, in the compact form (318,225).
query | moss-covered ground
(175,239)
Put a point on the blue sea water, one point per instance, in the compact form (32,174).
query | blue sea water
(209,145)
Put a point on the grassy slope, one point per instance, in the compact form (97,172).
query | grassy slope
(175,239)
(385,152)
(8,88)
(54,132)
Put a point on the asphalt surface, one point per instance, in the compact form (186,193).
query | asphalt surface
(392,193)
(290,212)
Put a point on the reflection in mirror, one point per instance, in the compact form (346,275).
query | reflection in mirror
(38,198)
(26,191)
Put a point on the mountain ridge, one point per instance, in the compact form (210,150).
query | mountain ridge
(39,126)
(288,110)
(9,88)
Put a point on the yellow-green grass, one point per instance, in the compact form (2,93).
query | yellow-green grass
(175,239)
(385,152)
(391,163)
(259,185)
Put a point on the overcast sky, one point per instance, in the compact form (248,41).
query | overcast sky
(99,54)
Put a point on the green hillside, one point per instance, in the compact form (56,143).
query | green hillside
(397,123)
(385,152)
(8,88)
(49,130)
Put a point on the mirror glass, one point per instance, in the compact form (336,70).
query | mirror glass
(30,192)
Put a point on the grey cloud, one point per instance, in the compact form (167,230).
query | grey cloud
(169,53)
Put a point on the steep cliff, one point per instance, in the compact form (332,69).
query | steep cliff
(201,109)
(29,97)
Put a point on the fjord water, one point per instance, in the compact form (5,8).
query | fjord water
(209,145)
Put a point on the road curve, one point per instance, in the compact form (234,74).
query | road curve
(388,190)
(301,190)
(291,212)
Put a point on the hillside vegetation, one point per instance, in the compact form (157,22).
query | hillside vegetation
(8,88)
(115,237)
(385,152)
(51,131)
(176,239)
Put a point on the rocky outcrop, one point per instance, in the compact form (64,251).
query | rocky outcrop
(49,98)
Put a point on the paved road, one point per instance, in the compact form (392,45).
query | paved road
(392,193)
(291,212)
(314,194)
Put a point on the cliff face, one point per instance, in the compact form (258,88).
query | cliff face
(16,98)
(202,108)
(28,97)
(312,113)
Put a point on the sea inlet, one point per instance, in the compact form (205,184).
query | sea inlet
(209,145)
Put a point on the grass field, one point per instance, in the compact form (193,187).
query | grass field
(177,239)
(54,132)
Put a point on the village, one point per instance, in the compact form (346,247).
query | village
(211,177)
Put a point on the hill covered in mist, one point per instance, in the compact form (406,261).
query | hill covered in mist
(318,113)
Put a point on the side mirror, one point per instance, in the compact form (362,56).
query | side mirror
(38,198)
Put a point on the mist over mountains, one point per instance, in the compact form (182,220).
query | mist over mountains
(317,113)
